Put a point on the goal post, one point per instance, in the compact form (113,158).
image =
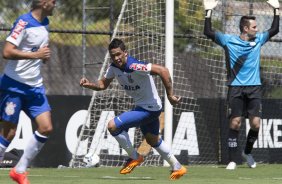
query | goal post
(169,50)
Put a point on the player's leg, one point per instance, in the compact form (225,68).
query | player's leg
(118,128)
(10,106)
(252,134)
(254,108)
(151,132)
(122,138)
(235,111)
(34,146)
(7,133)
(232,142)
(38,109)
(36,142)
(251,138)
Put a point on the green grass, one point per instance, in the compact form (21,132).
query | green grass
(263,174)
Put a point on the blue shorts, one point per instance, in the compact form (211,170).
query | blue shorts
(148,121)
(16,96)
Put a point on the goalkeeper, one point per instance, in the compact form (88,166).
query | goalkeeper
(135,77)
(243,73)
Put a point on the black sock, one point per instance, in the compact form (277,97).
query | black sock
(251,139)
(232,144)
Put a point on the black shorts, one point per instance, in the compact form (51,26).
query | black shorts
(244,101)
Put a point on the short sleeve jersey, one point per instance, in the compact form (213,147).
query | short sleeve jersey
(242,58)
(28,35)
(137,82)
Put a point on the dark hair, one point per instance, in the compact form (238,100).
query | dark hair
(117,43)
(245,21)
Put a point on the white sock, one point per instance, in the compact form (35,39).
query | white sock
(166,154)
(32,149)
(2,151)
(124,142)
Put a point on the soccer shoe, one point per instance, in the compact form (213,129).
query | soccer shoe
(249,159)
(131,164)
(20,178)
(175,175)
(231,166)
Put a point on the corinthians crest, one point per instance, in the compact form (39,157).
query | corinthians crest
(10,108)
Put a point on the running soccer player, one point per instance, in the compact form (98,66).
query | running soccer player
(135,77)
(26,48)
(243,74)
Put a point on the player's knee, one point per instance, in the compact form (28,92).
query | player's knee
(46,130)
(255,123)
(235,123)
(152,140)
(112,126)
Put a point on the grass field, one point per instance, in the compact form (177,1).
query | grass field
(263,174)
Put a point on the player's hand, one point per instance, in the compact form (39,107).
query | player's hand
(274,3)
(210,4)
(43,53)
(84,82)
(174,100)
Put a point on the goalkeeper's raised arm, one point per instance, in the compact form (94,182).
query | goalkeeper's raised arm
(275,24)
(209,5)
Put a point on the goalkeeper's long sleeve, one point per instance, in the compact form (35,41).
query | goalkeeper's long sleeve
(275,24)
(208,30)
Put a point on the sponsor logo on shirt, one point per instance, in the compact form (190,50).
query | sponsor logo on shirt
(138,67)
(130,88)
(18,29)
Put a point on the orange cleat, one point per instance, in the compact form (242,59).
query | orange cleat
(131,164)
(175,175)
(20,178)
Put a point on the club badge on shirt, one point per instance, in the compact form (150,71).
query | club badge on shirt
(10,108)
(252,44)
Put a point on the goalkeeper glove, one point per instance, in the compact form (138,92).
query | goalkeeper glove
(210,4)
(274,3)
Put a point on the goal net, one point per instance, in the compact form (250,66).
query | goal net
(199,122)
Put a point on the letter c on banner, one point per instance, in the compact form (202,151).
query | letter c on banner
(75,123)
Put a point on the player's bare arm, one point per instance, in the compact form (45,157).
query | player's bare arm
(166,79)
(10,51)
(101,84)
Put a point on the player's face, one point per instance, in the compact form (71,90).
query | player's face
(252,29)
(118,57)
(48,6)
